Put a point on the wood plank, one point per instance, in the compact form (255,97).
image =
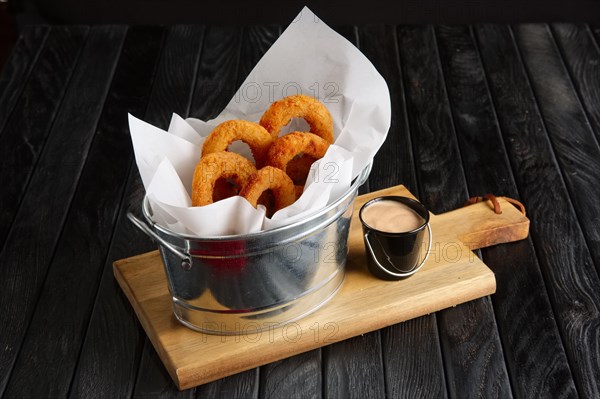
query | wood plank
(343,367)
(575,146)
(476,343)
(110,352)
(112,347)
(351,34)
(153,380)
(466,366)
(31,121)
(532,346)
(16,72)
(30,244)
(400,361)
(111,324)
(394,163)
(217,77)
(562,246)
(85,215)
(363,304)
(581,55)
(424,353)
(559,243)
(533,349)
(301,372)
(407,373)
(172,93)
(92,214)
(342,361)
(240,385)
(595,30)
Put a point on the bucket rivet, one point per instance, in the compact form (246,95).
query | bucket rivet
(186,264)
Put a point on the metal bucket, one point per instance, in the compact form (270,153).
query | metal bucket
(249,283)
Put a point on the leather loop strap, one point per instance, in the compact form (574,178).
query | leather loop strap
(495,203)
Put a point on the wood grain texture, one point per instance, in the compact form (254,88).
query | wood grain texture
(431,125)
(111,343)
(29,125)
(475,351)
(153,379)
(393,163)
(255,43)
(30,244)
(217,76)
(175,79)
(110,354)
(425,353)
(295,377)
(595,30)
(380,45)
(358,355)
(240,385)
(547,310)
(576,148)
(409,372)
(469,332)
(555,232)
(532,345)
(52,332)
(470,344)
(363,304)
(561,244)
(16,72)
(171,93)
(581,55)
(342,363)
(352,35)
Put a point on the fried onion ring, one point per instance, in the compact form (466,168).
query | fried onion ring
(281,112)
(287,147)
(299,168)
(270,178)
(219,165)
(250,133)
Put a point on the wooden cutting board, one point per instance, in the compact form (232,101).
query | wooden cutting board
(451,275)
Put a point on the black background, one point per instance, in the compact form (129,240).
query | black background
(281,12)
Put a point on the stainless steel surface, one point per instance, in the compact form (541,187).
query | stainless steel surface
(185,258)
(253,282)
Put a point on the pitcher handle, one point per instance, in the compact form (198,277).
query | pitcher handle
(186,259)
(386,271)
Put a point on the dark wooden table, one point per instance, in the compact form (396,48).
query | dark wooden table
(509,110)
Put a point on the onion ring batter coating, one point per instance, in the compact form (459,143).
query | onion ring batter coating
(287,147)
(219,165)
(270,178)
(281,112)
(299,168)
(250,133)
(299,191)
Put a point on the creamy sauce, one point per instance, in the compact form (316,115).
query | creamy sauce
(391,217)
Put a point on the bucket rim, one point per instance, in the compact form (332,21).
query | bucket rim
(358,181)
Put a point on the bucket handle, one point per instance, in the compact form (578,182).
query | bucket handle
(186,259)
(386,271)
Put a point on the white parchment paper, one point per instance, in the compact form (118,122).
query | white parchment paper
(308,58)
